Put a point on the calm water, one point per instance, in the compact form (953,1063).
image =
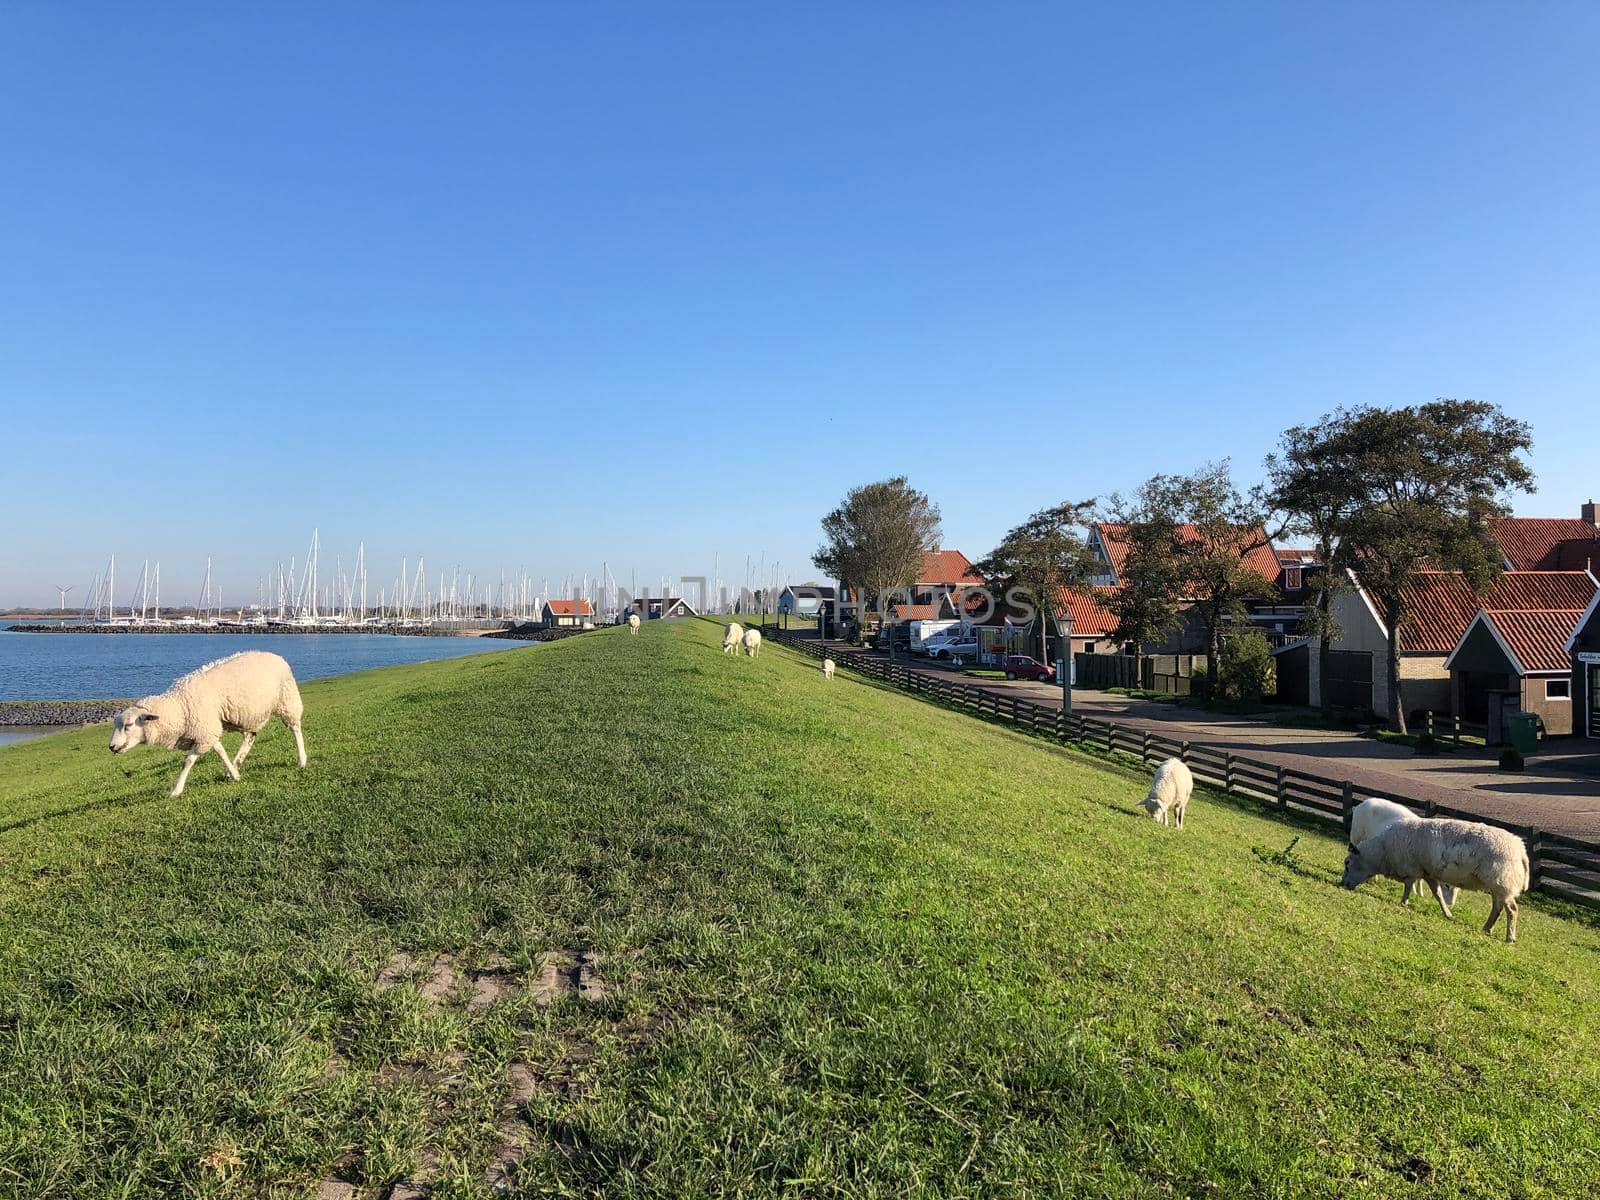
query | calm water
(92,666)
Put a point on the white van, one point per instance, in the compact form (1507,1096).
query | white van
(921,631)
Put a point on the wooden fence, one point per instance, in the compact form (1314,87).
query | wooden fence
(1562,866)
(1154,672)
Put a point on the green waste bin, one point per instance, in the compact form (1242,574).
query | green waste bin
(1522,731)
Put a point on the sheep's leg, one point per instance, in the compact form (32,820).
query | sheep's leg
(1178,815)
(245,743)
(1495,909)
(1405,896)
(1438,894)
(189,760)
(233,771)
(299,745)
(1511,919)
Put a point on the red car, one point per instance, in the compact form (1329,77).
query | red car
(1020,666)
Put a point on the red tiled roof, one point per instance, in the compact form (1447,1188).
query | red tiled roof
(1441,604)
(1086,607)
(1260,556)
(916,612)
(952,567)
(1538,638)
(1545,543)
(571,608)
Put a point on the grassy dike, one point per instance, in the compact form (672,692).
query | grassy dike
(854,944)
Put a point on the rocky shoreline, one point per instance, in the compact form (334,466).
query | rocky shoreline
(536,633)
(59,712)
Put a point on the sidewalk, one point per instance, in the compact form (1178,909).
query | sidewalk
(1559,793)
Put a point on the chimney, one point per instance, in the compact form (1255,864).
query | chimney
(1590,512)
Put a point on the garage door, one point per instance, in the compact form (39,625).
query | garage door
(1349,682)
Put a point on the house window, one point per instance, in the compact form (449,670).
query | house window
(1088,647)
(1291,579)
(1558,689)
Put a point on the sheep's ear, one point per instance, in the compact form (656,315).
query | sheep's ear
(146,718)
(1354,849)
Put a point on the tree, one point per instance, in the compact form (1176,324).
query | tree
(1147,602)
(877,536)
(1190,538)
(1425,481)
(1310,482)
(1039,558)
(1246,672)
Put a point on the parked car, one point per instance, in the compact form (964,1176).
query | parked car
(935,642)
(956,650)
(894,638)
(1020,666)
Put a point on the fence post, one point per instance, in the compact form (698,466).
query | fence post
(1183,751)
(1227,771)
(1347,805)
(1534,856)
(1144,745)
(1283,793)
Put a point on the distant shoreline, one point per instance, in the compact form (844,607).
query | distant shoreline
(259,630)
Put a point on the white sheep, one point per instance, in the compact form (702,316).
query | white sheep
(1169,791)
(731,637)
(1468,854)
(827,668)
(633,624)
(1371,817)
(752,642)
(240,693)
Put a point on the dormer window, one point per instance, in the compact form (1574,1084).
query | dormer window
(1291,578)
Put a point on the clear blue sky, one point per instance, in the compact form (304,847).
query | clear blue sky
(546,285)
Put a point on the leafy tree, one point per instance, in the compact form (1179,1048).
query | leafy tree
(877,536)
(1192,534)
(1146,604)
(1247,669)
(1310,483)
(1039,558)
(1425,480)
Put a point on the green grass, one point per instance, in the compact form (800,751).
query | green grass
(859,945)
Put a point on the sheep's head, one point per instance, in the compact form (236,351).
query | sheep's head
(131,727)
(1357,868)
(1153,806)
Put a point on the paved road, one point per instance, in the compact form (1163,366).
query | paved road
(1560,794)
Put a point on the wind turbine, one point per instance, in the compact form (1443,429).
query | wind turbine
(64,591)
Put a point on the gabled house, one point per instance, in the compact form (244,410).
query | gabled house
(805,599)
(1515,660)
(654,608)
(558,614)
(1093,624)
(1108,542)
(1440,605)
(1583,657)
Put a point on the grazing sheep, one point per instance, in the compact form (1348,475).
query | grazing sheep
(633,624)
(1371,817)
(240,693)
(1169,790)
(827,668)
(752,642)
(731,637)
(1478,857)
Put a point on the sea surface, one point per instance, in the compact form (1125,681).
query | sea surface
(97,666)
